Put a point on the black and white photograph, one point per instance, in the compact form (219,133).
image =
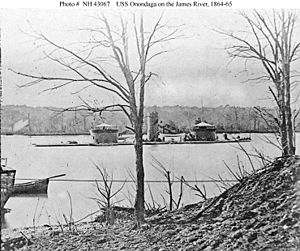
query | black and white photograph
(150,125)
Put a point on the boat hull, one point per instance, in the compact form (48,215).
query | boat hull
(33,187)
(148,143)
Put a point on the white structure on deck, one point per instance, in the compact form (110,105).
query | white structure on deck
(164,137)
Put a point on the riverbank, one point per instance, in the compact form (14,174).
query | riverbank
(261,212)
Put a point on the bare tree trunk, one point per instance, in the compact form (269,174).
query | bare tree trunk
(289,124)
(283,133)
(139,199)
(170,191)
(288,110)
(287,88)
(290,132)
(283,128)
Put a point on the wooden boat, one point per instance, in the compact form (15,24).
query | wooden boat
(7,183)
(32,187)
(39,186)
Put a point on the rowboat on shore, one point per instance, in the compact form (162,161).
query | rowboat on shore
(7,182)
(39,186)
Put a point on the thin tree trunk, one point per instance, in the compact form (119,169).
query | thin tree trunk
(283,132)
(287,89)
(282,114)
(285,55)
(139,200)
(290,132)
(288,110)
(170,191)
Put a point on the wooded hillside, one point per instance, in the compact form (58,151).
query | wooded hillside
(46,120)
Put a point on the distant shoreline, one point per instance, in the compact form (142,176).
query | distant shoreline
(87,133)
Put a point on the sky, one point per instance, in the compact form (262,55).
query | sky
(195,71)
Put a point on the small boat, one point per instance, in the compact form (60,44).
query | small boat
(7,183)
(39,186)
(32,187)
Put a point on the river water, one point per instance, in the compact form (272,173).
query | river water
(194,162)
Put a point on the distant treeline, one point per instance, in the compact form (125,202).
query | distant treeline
(48,120)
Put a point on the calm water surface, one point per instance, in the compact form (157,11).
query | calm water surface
(191,161)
